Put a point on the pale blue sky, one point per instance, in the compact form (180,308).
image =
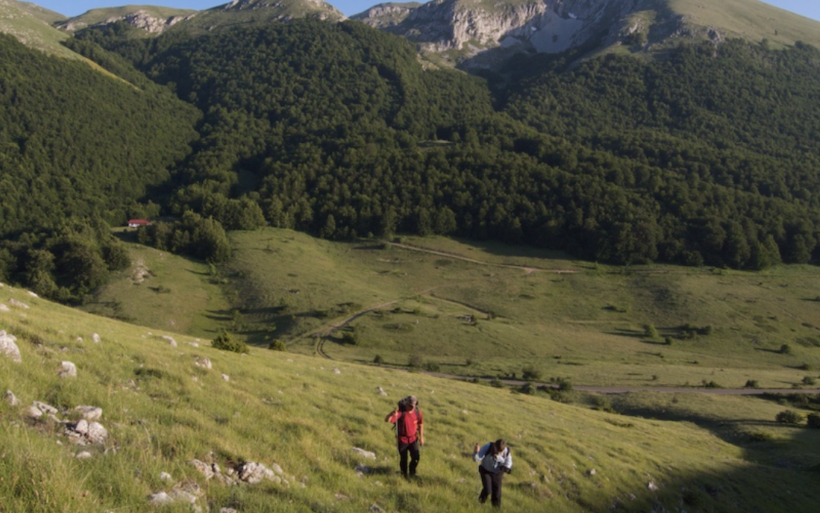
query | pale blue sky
(808,8)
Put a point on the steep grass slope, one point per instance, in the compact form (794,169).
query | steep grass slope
(28,23)
(162,411)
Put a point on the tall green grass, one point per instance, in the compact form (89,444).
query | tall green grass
(161,411)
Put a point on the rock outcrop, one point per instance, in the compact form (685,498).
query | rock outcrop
(8,347)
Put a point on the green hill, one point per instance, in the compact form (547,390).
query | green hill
(486,310)
(31,25)
(305,415)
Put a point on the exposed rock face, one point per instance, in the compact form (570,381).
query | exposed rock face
(484,33)
(139,19)
(385,15)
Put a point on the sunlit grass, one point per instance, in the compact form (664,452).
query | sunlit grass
(162,411)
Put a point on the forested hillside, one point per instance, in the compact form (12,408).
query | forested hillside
(704,156)
(77,147)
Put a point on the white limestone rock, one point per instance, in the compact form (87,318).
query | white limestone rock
(9,348)
(89,412)
(18,304)
(96,433)
(67,370)
(365,454)
(11,398)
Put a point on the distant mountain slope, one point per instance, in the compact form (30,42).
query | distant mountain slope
(151,19)
(30,24)
(477,33)
(260,12)
(386,15)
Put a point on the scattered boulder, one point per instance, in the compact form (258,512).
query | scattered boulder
(381,391)
(375,509)
(170,340)
(365,454)
(336,371)
(226,377)
(34,413)
(4,308)
(11,398)
(83,455)
(205,363)
(652,486)
(96,433)
(164,499)
(227,510)
(9,348)
(67,370)
(32,294)
(252,472)
(45,408)
(89,412)
(84,432)
(18,304)
(591,472)
(96,338)
(203,468)
(81,427)
(165,476)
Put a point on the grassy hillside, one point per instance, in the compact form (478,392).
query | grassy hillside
(749,19)
(491,310)
(566,317)
(304,414)
(28,24)
(164,291)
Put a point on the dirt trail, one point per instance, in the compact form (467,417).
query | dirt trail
(527,270)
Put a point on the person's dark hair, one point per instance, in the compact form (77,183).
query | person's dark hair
(498,446)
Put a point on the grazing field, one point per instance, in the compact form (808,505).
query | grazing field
(492,310)
(164,291)
(163,408)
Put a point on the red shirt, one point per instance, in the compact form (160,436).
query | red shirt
(408,424)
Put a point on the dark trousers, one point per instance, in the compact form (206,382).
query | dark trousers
(415,455)
(491,485)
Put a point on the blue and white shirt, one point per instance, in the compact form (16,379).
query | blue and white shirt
(493,463)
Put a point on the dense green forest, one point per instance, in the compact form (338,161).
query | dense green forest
(703,156)
(77,148)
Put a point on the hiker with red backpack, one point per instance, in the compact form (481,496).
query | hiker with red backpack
(409,433)
(496,460)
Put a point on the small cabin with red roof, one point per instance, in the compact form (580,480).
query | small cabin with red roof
(136,223)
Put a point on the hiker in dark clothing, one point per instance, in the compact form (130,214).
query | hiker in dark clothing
(496,460)
(409,433)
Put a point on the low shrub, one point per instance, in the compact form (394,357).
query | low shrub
(785,349)
(378,360)
(226,342)
(813,420)
(809,380)
(277,345)
(530,373)
(752,383)
(789,417)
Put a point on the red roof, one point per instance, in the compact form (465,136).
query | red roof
(138,221)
